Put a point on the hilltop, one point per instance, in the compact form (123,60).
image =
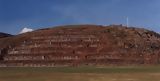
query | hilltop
(75,45)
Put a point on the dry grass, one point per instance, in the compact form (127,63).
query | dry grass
(81,74)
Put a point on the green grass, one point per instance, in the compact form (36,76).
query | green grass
(141,73)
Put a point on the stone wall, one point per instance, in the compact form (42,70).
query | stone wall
(72,47)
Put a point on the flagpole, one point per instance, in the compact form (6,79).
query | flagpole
(127,22)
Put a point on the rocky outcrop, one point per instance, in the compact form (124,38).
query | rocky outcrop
(76,45)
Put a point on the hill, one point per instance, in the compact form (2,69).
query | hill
(2,35)
(75,45)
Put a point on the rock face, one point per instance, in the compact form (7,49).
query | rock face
(76,45)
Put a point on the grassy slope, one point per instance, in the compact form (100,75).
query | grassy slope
(81,74)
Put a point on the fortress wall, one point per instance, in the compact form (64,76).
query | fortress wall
(73,48)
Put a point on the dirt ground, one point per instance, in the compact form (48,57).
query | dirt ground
(80,74)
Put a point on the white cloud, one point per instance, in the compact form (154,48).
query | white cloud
(24,30)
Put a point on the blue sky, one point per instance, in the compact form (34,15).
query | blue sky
(17,14)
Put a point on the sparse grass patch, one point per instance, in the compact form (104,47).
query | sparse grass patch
(128,73)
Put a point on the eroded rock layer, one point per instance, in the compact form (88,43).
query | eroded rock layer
(76,45)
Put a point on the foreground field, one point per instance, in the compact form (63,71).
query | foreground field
(81,74)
